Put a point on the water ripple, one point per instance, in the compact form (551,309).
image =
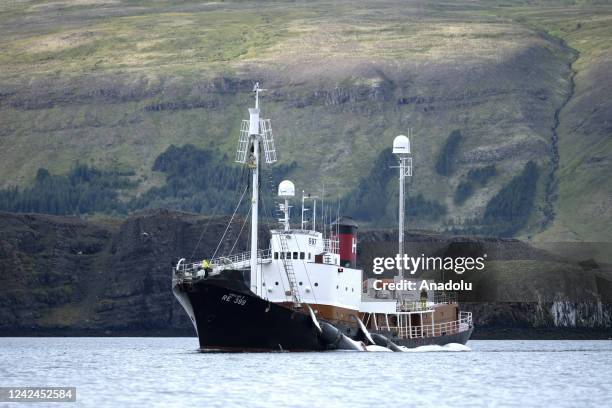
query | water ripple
(163,372)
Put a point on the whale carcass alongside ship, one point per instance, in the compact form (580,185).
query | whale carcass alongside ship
(304,291)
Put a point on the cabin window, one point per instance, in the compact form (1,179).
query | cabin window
(300,283)
(309,255)
(288,255)
(302,255)
(276,255)
(276,283)
(316,283)
(346,288)
(282,255)
(295,255)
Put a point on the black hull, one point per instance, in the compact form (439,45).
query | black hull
(228,317)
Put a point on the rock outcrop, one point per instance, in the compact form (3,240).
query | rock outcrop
(69,276)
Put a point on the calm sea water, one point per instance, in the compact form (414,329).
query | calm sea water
(164,372)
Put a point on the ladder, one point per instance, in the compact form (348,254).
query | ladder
(288,265)
(268,140)
(266,137)
(243,142)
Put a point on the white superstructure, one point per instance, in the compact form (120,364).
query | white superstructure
(299,265)
(315,261)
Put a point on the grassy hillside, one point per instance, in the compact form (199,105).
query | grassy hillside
(113,84)
(583,203)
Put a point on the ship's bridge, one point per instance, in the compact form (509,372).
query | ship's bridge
(306,245)
(306,267)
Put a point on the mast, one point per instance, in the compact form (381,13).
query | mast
(401,147)
(286,189)
(401,221)
(286,210)
(304,209)
(254,134)
(303,223)
(314,216)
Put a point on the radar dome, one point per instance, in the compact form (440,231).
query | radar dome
(401,145)
(286,189)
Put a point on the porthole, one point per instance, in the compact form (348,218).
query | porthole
(276,283)
(346,288)
(316,284)
(300,283)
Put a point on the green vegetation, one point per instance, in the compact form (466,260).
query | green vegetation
(83,190)
(374,198)
(475,177)
(509,210)
(465,189)
(116,90)
(482,175)
(197,180)
(582,186)
(201,181)
(448,154)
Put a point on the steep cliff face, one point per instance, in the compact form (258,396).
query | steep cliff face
(523,291)
(64,275)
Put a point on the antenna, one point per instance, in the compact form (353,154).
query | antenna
(401,148)
(256,128)
(257,90)
(304,209)
(323,208)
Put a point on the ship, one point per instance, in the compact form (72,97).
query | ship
(304,291)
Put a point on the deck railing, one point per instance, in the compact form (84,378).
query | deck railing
(189,271)
(243,257)
(425,304)
(406,331)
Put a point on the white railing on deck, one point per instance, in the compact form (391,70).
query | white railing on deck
(243,257)
(426,304)
(433,330)
(194,270)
